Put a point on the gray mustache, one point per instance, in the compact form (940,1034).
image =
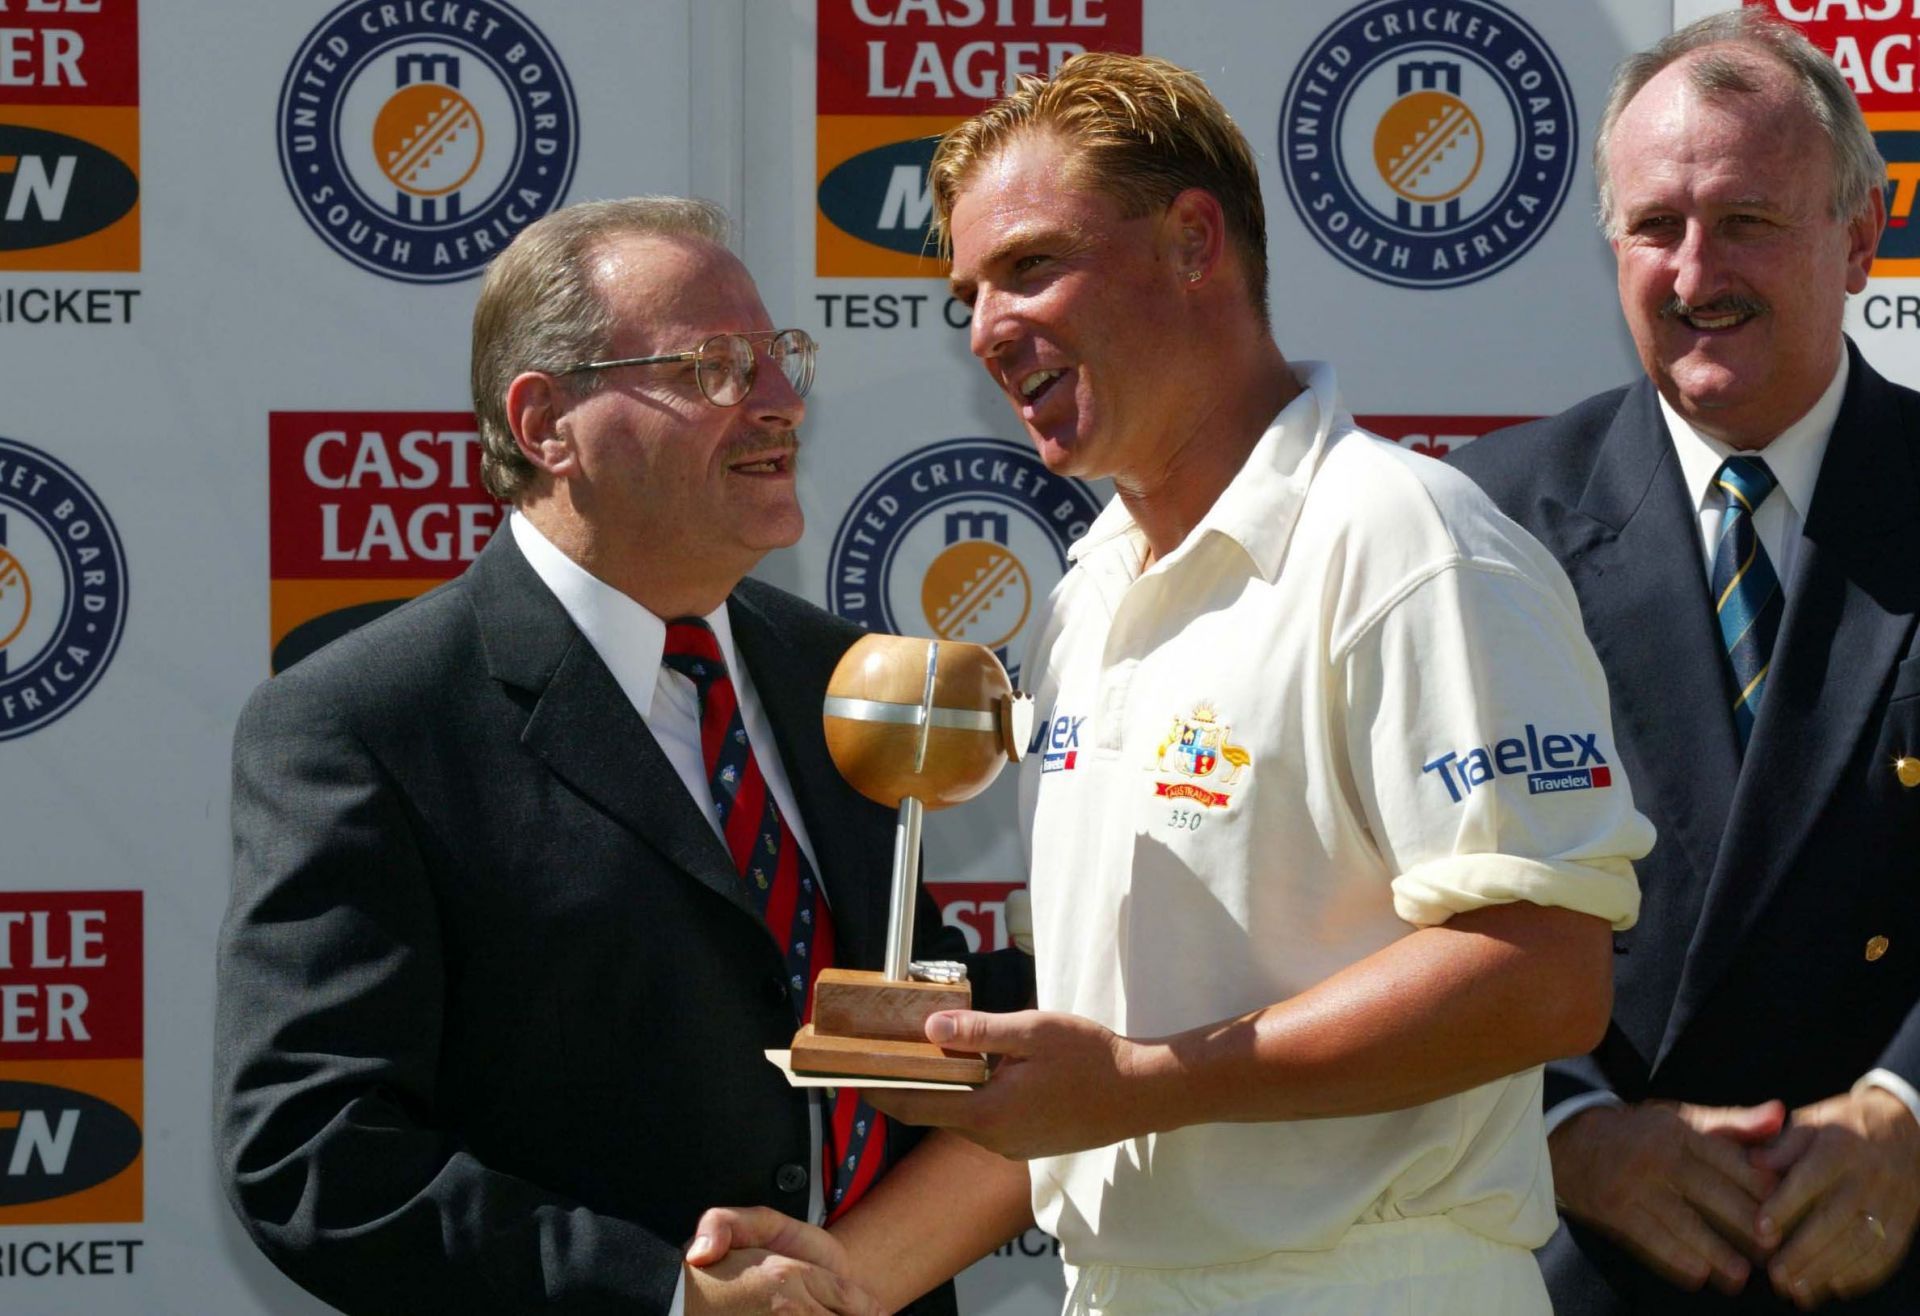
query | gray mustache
(768,443)
(1732,304)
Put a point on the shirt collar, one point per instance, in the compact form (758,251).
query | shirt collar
(1794,457)
(1258,507)
(630,640)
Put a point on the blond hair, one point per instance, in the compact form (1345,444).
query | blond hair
(1138,129)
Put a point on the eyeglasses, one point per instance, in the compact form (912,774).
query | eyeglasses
(725,364)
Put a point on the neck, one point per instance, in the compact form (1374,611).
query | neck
(684,583)
(1168,500)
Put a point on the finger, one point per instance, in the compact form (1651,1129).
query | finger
(970,1030)
(1743,1124)
(1729,1208)
(1831,1238)
(1807,1184)
(1717,1160)
(1678,1243)
(762,1227)
(712,1236)
(1781,1154)
(1868,1270)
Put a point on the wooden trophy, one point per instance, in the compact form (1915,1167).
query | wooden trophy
(917,725)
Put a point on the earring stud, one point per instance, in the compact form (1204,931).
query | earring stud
(1193,276)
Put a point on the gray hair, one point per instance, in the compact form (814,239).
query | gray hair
(539,310)
(1858,170)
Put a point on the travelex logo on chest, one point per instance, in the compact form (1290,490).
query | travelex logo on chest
(1554,761)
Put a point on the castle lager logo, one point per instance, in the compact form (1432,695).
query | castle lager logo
(961,540)
(368,509)
(71,1048)
(419,136)
(70,135)
(1428,145)
(892,75)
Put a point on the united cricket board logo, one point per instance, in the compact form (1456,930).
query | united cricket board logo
(1428,146)
(1199,745)
(63,589)
(959,540)
(419,137)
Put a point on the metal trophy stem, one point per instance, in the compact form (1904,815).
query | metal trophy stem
(906,866)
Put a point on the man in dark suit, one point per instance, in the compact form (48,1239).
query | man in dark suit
(525,872)
(1738,527)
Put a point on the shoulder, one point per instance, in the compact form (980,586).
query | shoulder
(1405,511)
(1553,455)
(1389,523)
(383,673)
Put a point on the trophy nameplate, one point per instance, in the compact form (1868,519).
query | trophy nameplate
(915,725)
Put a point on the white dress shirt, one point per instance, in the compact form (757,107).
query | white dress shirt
(631,641)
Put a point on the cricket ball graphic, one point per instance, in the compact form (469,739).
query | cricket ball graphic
(977,591)
(1428,146)
(428,139)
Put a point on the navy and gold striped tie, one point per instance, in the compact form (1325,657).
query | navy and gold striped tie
(1746,593)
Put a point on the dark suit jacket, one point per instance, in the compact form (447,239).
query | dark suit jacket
(1747,975)
(491,1000)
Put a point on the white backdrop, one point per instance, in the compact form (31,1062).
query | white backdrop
(233,414)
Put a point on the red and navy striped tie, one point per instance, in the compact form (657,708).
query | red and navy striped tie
(782,886)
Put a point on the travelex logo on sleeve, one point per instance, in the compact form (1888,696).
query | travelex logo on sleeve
(1552,761)
(1057,741)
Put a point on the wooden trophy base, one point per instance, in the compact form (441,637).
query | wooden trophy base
(867,1025)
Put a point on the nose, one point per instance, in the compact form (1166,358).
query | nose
(773,401)
(992,327)
(1698,276)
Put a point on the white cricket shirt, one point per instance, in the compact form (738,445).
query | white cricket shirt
(1356,700)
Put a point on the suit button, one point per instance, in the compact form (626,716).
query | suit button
(776,989)
(790,1178)
(1908,770)
(1876,948)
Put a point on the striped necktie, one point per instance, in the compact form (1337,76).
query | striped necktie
(1746,593)
(781,886)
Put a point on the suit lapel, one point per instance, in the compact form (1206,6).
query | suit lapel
(1849,613)
(582,724)
(1632,551)
(790,670)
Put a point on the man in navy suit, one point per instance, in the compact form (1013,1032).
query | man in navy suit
(521,892)
(1739,526)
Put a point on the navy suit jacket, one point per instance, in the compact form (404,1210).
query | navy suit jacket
(1747,976)
(492,999)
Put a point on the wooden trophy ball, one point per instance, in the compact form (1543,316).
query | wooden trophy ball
(914,724)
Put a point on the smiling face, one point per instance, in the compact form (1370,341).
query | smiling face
(1733,274)
(1076,311)
(669,482)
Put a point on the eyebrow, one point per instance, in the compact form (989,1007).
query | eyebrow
(965,288)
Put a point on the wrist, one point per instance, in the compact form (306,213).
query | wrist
(1155,1081)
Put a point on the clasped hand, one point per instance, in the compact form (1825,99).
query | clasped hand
(1827,1203)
